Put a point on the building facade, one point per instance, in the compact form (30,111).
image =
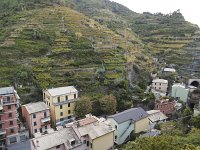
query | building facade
(179,91)
(166,106)
(11,129)
(160,85)
(61,102)
(37,117)
(133,120)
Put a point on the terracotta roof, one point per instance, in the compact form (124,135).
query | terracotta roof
(87,121)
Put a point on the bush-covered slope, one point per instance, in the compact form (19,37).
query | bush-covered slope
(57,46)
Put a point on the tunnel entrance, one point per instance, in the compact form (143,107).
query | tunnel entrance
(195,83)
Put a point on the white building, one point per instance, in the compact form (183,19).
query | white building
(160,85)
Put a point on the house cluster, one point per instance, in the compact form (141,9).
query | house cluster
(51,123)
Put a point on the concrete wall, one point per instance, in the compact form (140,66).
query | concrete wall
(104,142)
(142,125)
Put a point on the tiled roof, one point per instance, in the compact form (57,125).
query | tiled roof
(36,107)
(62,90)
(95,130)
(51,140)
(86,121)
(156,115)
(6,90)
(134,114)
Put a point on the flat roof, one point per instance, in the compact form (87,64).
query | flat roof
(54,139)
(169,70)
(95,130)
(62,90)
(6,90)
(36,107)
(156,115)
(160,81)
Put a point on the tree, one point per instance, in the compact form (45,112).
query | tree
(83,107)
(195,121)
(108,104)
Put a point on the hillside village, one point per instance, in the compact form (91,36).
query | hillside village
(52,122)
(94,75)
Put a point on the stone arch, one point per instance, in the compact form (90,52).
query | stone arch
(195,83)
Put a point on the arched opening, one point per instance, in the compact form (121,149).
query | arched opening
(195,83)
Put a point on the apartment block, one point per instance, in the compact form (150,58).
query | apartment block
(11,129)
(61,102)
(37,117)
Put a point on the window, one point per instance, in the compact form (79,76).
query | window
(0,126)
(69,111)
(45,114)
(58,99)
(61,119)
(155,83)
(68,104)
(9,107)
(115,126)
(22,138)
(160,83)
(66,98)
(40,130)
(49,104)
(44,95)
(87,143)
(10,115)
(61,106)
(57,147)
(8,99)
(11,122)
(13,140)
(84,142)
(91,145)
(45,127)
(69,117)
(34,115)
(35,130)
(115,137)
(35,123)
(159,88)
(61,113)
(11,130)
(74,96)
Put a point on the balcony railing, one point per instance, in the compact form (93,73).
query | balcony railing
(11,102)
(2,131)
(65,102)
(45,120)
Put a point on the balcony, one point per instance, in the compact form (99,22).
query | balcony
(10,102)
(45,121)
(2,132)
(65,102)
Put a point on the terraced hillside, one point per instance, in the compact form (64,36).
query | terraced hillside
(57,46)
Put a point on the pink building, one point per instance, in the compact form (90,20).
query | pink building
(166,106)
(37,117)
(11,130)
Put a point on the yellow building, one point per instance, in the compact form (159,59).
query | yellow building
(61,102)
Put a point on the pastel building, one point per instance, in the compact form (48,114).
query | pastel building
(160,85)
(11,129)
(156,117)
(166,106)
(61,102)
(90,133)
(134,120)
(179,91)
(37,117)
